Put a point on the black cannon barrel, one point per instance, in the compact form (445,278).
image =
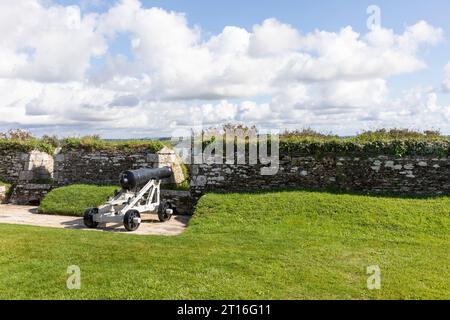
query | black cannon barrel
(136,178)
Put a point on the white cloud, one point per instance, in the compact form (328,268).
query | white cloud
(48,44)
(178,75)
(273,38)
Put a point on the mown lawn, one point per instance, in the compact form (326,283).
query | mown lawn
(282,245)
(75,199)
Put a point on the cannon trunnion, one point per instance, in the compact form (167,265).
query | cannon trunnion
(140,193)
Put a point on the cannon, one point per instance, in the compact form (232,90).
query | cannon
(140,193)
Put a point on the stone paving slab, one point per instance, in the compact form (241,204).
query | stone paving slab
(26,215)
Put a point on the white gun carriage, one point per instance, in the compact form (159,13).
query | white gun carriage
(140,193)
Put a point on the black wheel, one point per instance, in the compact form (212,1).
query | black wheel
(88,218)
(129,220)
(162,212)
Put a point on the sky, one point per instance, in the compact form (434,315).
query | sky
(133,69)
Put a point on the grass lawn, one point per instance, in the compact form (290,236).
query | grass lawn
(282,245)
(75,199)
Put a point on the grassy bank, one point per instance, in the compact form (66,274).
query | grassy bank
(281,245)
(73,200)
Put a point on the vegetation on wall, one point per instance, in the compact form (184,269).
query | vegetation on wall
(94,143)
(396,142)
(23,141)
(7,145)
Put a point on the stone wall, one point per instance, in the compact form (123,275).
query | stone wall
(383,174)
(22,167)
(104,167)
(38,167)
(11,165)
(181,200)
(29,193)
(97,167)
(34,174)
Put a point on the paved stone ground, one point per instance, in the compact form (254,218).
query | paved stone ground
(25,215)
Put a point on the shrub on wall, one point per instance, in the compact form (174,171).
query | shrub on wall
(97,144)
(12,145)
(398,148)
(396,142)
(18,140)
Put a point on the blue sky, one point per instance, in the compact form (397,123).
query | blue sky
(141,68)
(307,16)
(213,16)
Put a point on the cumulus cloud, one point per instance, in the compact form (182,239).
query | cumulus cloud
(47,44)
(176,75)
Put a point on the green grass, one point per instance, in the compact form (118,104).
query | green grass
(281,245)
(75,199)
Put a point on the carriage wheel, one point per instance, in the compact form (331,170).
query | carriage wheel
(129,220)
(88,218)
(162,212)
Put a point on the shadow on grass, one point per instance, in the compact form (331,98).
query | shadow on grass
(334,191)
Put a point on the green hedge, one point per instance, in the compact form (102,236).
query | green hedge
(91,144)
(349,147)
(70,144)
(395,142)
(7,145)
(320,148)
